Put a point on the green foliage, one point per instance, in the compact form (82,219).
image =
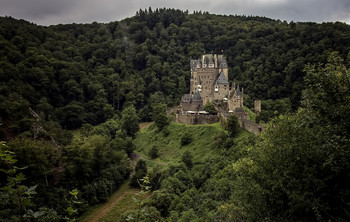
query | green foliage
(72,200)
(298,170)
(140,173)
(210,108)
(232,126)
(202,145)
(274,108)
(251,114)
(186,139)
(187,158)
(154,152)
(130,121)
(77,74)
(14,195)
(86,73)
(160,117)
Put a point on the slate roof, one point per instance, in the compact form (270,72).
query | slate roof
(221,79)
(223,63)
(197,96)
(193,64)
(192,97)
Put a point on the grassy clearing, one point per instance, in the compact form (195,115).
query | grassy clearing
(202,143)
(98,211)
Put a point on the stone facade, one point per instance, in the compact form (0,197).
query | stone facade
(251,126)
(209,77)
(235,98)
(210,83)
(191,102)
(193,119)
(257,106)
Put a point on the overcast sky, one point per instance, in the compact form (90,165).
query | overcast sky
(50,12)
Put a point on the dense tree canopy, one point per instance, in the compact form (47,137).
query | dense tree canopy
(100,80)
(85,73)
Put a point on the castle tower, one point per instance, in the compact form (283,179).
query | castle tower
(209,76)
(257,106)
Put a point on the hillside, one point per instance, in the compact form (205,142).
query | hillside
(85,73)
(72,97)
(202,141)
(207,147)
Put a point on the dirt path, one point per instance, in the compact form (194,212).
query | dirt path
(124,189)
(102,210)
(99,212)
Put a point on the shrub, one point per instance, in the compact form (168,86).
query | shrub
(186,139)
(154,152)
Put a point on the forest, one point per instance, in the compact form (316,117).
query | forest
(72,97)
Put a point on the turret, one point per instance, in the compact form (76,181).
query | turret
(198,63)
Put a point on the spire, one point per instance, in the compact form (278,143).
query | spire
(223,63)
(198,63)
(238,91)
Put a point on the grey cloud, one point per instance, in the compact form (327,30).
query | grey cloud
(85,11)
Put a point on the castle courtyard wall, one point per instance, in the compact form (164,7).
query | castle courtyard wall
(251,126)
(193,119)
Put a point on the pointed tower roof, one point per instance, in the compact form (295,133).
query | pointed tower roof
(199,62)
(238,91)
(221,79)
(193,64)
(223,63)
(196,96)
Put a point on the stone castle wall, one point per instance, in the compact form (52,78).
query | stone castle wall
(251,126)
(192,106)
(193,119)
(245,124)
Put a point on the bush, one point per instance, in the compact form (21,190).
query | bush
(140,172)
(187,159)
(154,152)
(210,108)
(232,125)
(186,139)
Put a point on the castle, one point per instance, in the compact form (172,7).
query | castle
(210,83)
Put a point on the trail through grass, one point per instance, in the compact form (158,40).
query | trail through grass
(100,210)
